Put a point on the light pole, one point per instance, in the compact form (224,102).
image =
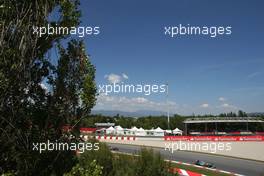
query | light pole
(168,110)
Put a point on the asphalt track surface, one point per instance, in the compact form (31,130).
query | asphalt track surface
(236,165)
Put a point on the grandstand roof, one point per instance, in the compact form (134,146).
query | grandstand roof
(224,120)
(104,124)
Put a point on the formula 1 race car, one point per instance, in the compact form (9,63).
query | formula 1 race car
(114,149)
(204,164)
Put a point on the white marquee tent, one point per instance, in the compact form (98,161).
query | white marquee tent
(119,130)
(168,131)
(141,132)
(177,131)
(110,130)
(134,129)
(158,132)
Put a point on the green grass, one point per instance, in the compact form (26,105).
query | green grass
(190,168)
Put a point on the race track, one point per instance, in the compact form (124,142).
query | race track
(240,166)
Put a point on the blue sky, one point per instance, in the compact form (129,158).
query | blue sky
(205,75)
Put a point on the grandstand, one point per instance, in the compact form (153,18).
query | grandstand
(224,126)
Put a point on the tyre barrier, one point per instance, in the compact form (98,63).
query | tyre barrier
(256,138)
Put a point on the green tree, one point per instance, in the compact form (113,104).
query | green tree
(92,170)
(241,113)
(74,85)
(29,112)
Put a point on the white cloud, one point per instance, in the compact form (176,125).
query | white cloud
(205,105)
(132,104)
(212,108)
(140,100)
(114,78)
(222,99)
(124,76)
(225,105)
(253,75)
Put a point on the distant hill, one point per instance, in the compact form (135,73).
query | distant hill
(129,114)
(144,113)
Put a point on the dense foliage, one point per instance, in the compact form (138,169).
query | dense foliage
(176,121)
(39,91)
(147,163)
(93,169)
(144,122)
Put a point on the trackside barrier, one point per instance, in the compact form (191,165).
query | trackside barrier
(202,167)
(256,138)
(121,138)
(183,172)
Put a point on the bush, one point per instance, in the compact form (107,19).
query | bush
(93,170)
(150,163)
(124,165)
(103,157)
